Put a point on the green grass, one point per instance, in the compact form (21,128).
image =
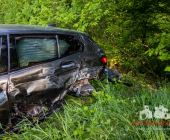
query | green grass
(106,115)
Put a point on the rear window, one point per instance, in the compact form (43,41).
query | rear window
(68,45)
(33,50)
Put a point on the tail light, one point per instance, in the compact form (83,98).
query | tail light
(103,59)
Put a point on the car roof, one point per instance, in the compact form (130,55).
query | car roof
(33,29)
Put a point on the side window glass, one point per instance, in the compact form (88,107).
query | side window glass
(68,45)
(3,54)
(35,50)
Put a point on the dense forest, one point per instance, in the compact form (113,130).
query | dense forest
(133,33)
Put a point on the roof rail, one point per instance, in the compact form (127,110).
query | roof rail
(51,25)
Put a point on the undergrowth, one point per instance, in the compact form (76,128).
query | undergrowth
(111,112)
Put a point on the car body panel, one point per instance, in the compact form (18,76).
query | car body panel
(32,29)
(4,104)
(40,88)
(34,85)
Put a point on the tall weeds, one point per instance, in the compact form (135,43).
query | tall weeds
(110,113)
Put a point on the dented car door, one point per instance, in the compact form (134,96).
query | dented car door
(43,68)
(4,103)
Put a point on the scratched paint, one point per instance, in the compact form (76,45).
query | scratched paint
(40,89)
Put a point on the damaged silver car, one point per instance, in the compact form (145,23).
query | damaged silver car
(40,65)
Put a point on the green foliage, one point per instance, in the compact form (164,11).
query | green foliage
(162,50)
(127,30)
(135,36)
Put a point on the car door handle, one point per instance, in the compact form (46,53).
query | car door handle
(68,65)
